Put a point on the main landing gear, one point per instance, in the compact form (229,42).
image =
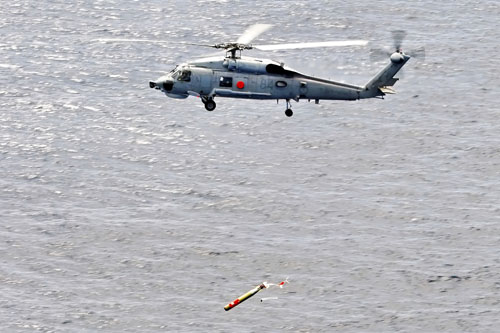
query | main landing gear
(288,111)
(209,103)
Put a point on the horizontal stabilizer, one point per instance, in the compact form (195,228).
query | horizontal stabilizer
(387,90)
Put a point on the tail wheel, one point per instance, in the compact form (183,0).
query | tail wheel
(288,111)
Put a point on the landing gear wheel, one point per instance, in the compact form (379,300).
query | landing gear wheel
(288,111)
(210,105)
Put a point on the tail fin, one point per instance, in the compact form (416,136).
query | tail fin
(382,83)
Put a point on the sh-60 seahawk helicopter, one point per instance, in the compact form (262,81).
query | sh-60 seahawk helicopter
(252,78)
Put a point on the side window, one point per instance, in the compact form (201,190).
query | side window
(226,81)
(185,76)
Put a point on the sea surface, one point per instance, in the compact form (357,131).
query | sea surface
(122,210)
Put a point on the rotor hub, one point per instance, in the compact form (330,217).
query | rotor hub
(233,46)
(397,57)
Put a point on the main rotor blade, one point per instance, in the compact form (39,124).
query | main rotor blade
(210,55)
(151,41)
(292,46)
(252,32)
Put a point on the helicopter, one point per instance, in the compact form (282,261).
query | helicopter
(237,76)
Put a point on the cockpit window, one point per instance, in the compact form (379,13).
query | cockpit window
(226,81)
(185,76)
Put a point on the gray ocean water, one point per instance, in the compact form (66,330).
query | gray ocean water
(125,211)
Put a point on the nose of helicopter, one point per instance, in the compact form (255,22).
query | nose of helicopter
(161,83)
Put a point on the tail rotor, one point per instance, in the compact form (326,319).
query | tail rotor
(398,36)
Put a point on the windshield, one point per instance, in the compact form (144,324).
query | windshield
(185,76)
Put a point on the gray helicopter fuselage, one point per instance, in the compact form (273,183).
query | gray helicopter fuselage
(250,78)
